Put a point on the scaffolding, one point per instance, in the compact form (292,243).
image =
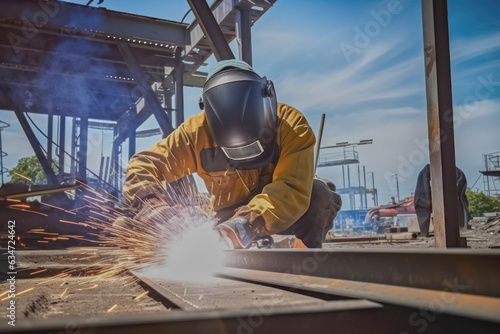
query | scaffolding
(491,174)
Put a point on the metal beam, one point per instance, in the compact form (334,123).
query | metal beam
(52,179)
(82,150)
(62,145)
(106,23)
(131,134)
(211,29)
(440,123)
(179,87)
(144,86)
(50,133)
(471,271)
(244,31)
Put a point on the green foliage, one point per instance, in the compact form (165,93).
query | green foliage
(31,168)
(479,203)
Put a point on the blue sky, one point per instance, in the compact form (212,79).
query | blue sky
(377,92)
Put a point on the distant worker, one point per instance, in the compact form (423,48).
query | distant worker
(423,200)
(255,156)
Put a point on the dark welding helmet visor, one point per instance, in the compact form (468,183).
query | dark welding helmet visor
(240,107)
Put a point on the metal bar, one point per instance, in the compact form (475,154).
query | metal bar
(457,304)
(440,123)
(351,204)
(275,319)
(244,31)
(62,145)
(179,87)
(359,188)
(50,134)
(364,189)
(471,271)
(82,150)
(318,141)
(142,83)
(132,134)
(39,192)
(63,14)
(211,29)
(73,148)
(37,147)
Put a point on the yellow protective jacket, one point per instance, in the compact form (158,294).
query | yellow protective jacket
(286,183)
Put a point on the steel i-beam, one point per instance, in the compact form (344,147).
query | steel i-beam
(440,123)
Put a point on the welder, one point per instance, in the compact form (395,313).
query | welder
(255,156)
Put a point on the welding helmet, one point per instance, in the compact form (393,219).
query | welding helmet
(241,108)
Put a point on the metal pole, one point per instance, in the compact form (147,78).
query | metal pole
(440,123)
(397,185)
(73,149)
(179,87)
(211,29)
(359,190)
(50,134)
(343,177)
(364,188)
(132,134)
(318,141)
(244,31)
(62,145)
(351,204)
(106,170)
(82,151)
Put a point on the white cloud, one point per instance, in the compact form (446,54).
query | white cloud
(468,48)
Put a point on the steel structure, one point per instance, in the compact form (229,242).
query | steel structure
(73,61)
(491,174)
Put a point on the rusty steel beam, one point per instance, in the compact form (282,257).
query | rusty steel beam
(440,123)
(456,303)
(476,271)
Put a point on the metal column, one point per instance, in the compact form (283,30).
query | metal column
(351,204)
(364,189)
(50,134)
(244,31)
(82,151)
(37,147)
(74,140)
(440,123)
(135,69)
(359,190)
(62,145)
(179,87)
(132,134)
(211,29)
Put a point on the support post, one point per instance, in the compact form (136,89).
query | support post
(50,134)
(179,87)
(440,123)
(131,134)
(359,189)
(73,149)
(244,31)
(211,29)
(37,147)
(343,177)
(364,188)
(143,85)
(351,204)
(82,151)
(62,145)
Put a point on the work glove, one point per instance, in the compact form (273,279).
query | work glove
(237,233)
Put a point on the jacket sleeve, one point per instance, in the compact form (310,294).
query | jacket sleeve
(168,160)
(282,202)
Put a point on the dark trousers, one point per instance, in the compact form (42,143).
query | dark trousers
(313,226)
